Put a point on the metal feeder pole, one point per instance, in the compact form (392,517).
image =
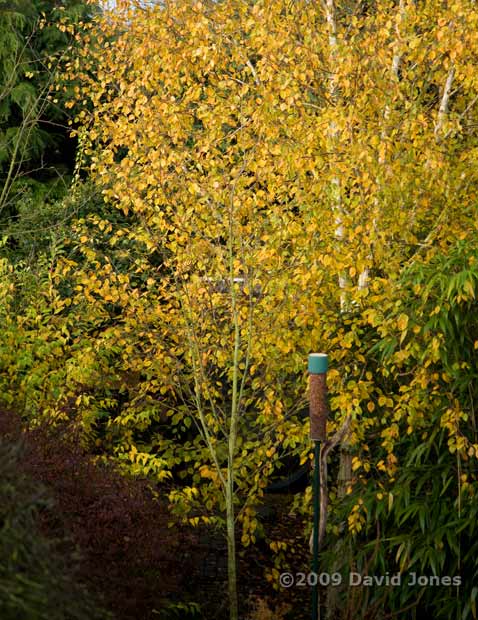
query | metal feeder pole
(318,411)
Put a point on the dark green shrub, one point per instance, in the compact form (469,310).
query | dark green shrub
(37,581)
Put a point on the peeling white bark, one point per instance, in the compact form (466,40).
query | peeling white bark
(444,103)
(363,279)
(331,18)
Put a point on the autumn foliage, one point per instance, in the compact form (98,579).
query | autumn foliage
(275,178)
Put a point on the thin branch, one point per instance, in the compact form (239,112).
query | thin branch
(462,115)
(254,72)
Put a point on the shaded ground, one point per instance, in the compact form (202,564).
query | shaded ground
(130,557)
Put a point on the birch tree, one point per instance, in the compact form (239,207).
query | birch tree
(347,140)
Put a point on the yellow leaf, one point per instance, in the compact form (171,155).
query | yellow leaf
(402,322)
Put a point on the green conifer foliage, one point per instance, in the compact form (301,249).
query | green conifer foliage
(34,146)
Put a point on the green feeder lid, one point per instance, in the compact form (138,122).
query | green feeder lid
(318,363)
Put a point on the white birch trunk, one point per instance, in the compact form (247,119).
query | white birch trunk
(363,279)
(444,103)
(345,467)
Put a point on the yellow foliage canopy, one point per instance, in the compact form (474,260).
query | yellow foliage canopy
(264,158)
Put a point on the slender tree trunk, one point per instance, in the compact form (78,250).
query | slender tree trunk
(330,14)
(444,103)
(232,435)
(231,547)
(345,468)
(363,279)
(230,515)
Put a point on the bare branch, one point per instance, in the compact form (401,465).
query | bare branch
(462,115)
